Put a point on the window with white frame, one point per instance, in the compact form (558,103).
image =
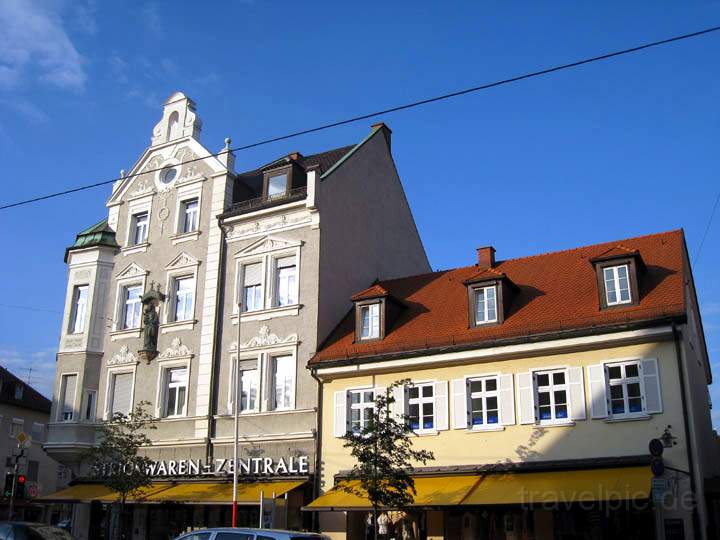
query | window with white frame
(189,215)
(617,285)
(252,295)
(79,309)
(139,228)
(283,381)
(184,293)
(483,403)
(361,404)
(285,281)
(551,396)
(68,384)
(120,393)
(421,406)
(89,405)
(485,305)
(176,383)
(132,307)
(16,427)
(248,389)
(624,388)
(370,321)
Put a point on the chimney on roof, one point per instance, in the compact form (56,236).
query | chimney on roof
(387,132)
(486,257)
(295,156)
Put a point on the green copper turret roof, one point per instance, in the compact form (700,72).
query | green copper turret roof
(100,234)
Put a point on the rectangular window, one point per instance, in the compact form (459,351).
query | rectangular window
(189,216)
(140,228)
(252,298)
(370,321)
(421,406)
(283,381)
(277,185)
(32,470)
(132,307)
(248,389)
(38,432)
(67,397)
(89,406)
(16,427)
(79,309)
(184,298)
(483,401)
(121,395)
(617,285)
(551,393)
(362,405)
(19,389)
(176,382)
(485,305)
(286,281)
(624,388)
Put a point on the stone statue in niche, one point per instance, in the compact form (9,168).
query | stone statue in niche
(151,322)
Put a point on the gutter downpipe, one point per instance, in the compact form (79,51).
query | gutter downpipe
(691,461)
(318,447)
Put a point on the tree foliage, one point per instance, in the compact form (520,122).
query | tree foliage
(385,456)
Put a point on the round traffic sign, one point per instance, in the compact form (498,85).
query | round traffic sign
(656,447)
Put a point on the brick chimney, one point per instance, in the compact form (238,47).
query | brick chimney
(486,257)
(295,156)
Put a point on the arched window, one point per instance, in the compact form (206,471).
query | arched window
(173,126)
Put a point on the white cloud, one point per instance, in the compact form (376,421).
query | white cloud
(150,17)
(41,363)
(34,44)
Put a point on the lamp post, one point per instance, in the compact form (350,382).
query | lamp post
(236,413)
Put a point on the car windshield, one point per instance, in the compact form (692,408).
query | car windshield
(46,532)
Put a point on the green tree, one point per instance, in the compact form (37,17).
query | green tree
(385,457)
(116,460)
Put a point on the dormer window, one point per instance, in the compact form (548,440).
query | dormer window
(617,285)
(618,271)
(277,185)
(370,321)
(485,304)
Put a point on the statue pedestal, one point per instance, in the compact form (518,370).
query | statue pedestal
(147,355)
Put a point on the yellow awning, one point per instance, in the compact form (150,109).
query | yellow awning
(190,492)
(431,491)
(216,493)
(626,483)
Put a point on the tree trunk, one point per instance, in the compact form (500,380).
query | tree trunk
(121,518)
(375,522)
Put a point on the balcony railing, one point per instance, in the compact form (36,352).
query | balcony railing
(268,201)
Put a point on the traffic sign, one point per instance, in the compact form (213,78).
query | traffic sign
(33,491)
(23,439)
(659,488)
(656,447)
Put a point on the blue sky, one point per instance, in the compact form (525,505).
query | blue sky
(616,149)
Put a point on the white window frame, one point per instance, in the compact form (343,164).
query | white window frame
(240,292)
(616,282)
(135,207)
(16,422)
(174,282)
(294,292)
(486,318)
(109,388)
(126,302)
(485,426)
(75,311)
(185,194)
(420,401)
(373,320)
(552,388)
(137,226)
(624,382)
(272,359)
(61,396)
(122,284)
(249,359)
(169,306)
(361,406)
(167,387)
(87,396)
(186,213)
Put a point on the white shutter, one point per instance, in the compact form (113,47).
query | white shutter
(340,424)
(398,408)
(441,405)
(121,397)
(506,400)
(576,392)
(651,385)
(526,398)
(598,391)
(460,415)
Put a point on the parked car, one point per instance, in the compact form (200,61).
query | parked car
(20,530)
(250,534)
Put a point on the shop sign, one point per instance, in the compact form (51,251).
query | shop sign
(255,466)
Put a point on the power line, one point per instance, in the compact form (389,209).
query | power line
(30,308)
(707,230)
(389,110)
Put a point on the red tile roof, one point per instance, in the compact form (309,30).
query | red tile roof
(557,292)
(376,291)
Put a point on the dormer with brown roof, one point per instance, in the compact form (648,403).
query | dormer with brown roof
(490,292)
(618,271)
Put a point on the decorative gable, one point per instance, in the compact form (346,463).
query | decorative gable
(182,261)
(132,270)
(267,244)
